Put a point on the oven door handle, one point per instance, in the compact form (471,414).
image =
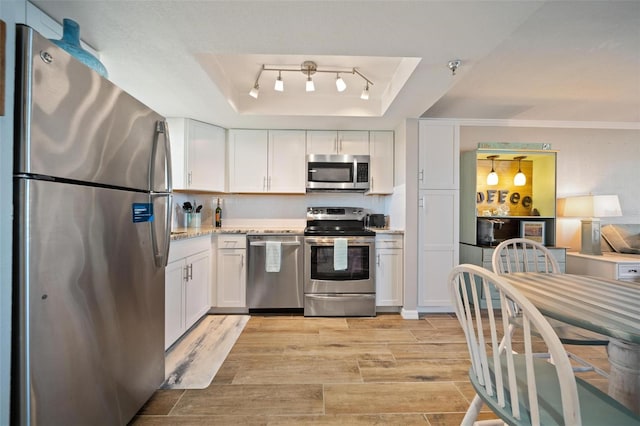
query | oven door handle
(263,243)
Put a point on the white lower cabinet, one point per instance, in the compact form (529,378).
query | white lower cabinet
(438,246)
(389,269)
(187,286)
(231,285)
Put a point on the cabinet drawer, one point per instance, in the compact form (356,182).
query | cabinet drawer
(232,241)
(388,241)
(629,271)
(179,249)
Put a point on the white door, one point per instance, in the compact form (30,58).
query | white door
(286,161)
(173,301)
(206,154)
(248,160)
(389,266)
(381,162)
(353,142)
(439,151)
(322,142)
(231,278)
(197,287)
(438,242)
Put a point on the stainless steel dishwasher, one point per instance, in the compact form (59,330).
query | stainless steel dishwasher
(275,290)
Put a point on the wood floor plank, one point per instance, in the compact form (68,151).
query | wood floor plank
(378,398)
(252,399)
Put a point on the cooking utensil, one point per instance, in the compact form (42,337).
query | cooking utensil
(187,207)
(199,208)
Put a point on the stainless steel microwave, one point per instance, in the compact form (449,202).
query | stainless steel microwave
(337,172)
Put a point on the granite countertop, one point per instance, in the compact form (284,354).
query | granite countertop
(183,233)
(387,231)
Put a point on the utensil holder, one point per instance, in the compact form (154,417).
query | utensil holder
(193,220)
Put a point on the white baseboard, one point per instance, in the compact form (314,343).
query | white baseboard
(409,315)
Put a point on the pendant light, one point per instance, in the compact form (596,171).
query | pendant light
(492,177)
(519,179)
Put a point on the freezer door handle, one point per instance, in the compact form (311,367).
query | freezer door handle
(161,128)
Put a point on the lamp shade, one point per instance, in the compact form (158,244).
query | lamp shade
(591,206)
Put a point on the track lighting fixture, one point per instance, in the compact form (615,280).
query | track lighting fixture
(279,86)
(519,179)
(309,68)
(492,177)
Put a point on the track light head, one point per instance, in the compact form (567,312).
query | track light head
(365,93)
(279,86)
(255,90)
(340,84)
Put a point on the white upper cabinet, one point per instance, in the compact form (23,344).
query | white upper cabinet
(248,160)
(381,162)
(439,150)
(198,153)
(344,142)
(286,164)
(267,161)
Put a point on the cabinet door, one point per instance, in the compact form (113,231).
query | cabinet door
(173,301)
(322,142)
(286,161)
(178,151)
(389,281)
(231,278)
(381,162)
(248,160)
(353,142)
(439,152)
(197,287)
(206,154)
(438,243)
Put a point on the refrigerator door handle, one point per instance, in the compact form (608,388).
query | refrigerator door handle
(161,128)
(161,254)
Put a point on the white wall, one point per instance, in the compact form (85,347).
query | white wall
(246,210)
(597,161)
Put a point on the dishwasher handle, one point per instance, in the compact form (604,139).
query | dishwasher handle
(284,243)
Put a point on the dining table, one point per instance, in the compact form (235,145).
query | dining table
(605,306)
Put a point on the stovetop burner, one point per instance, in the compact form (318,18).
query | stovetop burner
(336,222)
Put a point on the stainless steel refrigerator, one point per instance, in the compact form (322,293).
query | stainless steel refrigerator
(92,190)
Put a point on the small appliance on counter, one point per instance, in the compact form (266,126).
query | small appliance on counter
(375,220)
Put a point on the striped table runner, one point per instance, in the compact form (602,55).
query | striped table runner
(602,305)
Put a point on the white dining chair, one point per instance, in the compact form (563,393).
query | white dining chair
(524,255)
(520,388)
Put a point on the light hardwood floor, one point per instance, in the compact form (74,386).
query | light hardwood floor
(292,370)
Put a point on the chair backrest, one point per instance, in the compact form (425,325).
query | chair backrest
(523,255)
(517,386)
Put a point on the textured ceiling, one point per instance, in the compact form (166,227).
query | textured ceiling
(522,60)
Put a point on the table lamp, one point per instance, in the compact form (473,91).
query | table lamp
(591,208)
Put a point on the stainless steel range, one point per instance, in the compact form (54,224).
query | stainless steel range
(338,263)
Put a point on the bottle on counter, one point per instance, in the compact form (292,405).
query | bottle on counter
(218,215)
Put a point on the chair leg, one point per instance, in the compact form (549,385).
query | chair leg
(472,412)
